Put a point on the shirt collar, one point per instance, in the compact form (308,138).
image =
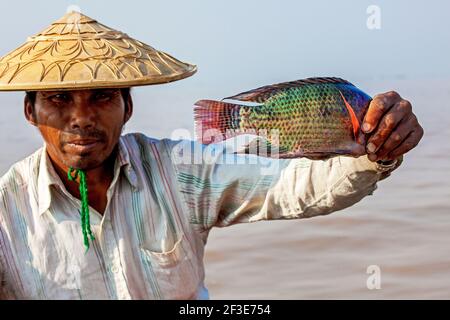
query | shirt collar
(48,177)
(126,165)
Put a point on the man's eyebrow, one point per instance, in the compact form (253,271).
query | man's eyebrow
(49,93)
(112,90)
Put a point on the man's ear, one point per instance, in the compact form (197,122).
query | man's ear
(28,110)
(128,108)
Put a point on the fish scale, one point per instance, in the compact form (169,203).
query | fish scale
(315,117)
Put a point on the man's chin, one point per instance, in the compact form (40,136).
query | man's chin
(83,162)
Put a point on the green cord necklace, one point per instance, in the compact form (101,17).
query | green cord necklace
(84,212)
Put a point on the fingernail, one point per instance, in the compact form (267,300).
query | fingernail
(371,147)
(372,157)
(366,127)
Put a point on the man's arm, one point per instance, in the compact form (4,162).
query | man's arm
(222,189)
(221,193)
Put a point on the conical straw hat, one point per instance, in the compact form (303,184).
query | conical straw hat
(77,52)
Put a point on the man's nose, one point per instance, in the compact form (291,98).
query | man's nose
(82,116)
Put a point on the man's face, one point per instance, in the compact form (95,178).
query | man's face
(81,128)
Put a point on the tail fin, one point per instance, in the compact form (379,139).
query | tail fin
(216,120)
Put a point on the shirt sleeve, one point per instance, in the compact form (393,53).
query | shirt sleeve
(2,275)
(4,292)
(221,188)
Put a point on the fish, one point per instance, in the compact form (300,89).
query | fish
(316,118)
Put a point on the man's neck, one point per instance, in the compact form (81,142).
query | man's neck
(98,181)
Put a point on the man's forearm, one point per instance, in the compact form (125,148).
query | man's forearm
(329,186)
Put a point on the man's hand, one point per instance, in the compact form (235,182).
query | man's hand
(391,126)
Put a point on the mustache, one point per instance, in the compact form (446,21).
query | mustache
(79,134)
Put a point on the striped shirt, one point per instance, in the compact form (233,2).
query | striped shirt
(165,197)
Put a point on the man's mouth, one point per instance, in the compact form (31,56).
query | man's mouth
(83,145)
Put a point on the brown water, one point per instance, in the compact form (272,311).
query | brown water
(404,228)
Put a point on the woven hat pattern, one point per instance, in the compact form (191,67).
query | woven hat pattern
(78,52)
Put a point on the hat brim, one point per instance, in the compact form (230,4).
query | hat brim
(84,85)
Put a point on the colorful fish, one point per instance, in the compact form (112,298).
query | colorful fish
(316,118)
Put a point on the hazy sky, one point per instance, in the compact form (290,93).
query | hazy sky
(239,45)
(281,39)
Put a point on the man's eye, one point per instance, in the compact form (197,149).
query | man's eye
(59,98)
(102,96)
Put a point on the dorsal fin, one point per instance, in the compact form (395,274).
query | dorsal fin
(263,93)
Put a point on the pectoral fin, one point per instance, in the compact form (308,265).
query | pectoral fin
(353,118)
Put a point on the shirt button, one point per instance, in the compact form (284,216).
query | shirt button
(115,269)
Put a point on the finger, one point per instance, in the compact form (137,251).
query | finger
(387,124)
(409,143)
(397,136)
(379,105)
